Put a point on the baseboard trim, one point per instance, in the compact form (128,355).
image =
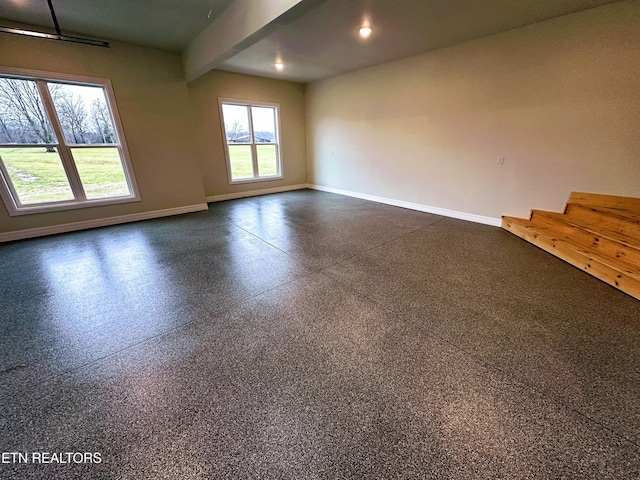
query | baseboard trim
(99,222)
(471,217)
(136,217)
(255,193)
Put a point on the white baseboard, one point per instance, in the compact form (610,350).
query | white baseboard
(471,217)
(135,217)
(99,222)
(255,193)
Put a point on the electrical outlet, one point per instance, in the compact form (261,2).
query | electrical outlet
(501,160)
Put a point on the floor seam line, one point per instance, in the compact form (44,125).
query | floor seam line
(315,269)
(319,269)
(380,245)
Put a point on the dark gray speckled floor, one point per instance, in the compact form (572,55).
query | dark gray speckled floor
(307,335)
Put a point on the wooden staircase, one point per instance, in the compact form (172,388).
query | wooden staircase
(598,233)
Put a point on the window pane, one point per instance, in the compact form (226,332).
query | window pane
(236,123)
(101,172)
(37,175)
(83,113)
(264,124)
(241,161)
(23,118)
(267,160)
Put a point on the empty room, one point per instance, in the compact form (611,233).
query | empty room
(319,239)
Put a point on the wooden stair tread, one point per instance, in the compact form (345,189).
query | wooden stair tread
(594,244)
(605,219)
(608,201)
(614,235)
(619,213)
(532,231)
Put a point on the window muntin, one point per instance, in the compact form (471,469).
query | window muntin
(252,143)
(60,144)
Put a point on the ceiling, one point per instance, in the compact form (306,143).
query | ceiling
(164,24)
(320,43)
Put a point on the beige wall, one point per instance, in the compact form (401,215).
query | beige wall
(559,99)
(175,143)
(204,93)
(152,98)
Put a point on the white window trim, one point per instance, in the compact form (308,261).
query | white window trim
(7,193)
(278,143)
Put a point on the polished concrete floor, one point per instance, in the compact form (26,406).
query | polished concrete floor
(307,335)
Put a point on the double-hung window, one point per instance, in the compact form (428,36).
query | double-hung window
(61,145)
(252,143)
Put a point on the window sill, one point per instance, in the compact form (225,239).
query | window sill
(57,207)
(256,180)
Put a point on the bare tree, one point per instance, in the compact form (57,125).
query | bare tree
(24,112)
(101,120)
(5,132)
(71,113)
(235,131)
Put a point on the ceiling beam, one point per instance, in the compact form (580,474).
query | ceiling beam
(241,25)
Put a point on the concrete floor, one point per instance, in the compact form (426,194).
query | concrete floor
(310,335)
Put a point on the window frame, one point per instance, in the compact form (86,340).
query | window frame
(278,140)
(7,190)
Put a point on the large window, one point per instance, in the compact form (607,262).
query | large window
(60,144)
(251,134)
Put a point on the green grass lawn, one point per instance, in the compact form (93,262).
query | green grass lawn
(101,172)
(241,165)
(38,176)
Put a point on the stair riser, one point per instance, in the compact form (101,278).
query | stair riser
(588,241)
(608,201)
(606,222)
(538,216)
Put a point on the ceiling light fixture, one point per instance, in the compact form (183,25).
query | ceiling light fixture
(365,31)
(57,36)
(279,65)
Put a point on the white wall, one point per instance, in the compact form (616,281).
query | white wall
(559,99)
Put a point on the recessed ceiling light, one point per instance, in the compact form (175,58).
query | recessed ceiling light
(365,31)
(279,65)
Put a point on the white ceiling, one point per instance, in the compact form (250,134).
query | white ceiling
(320,43)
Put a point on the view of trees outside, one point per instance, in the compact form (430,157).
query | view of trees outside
(36,171)
(23,118)
(236,123)
(82,111)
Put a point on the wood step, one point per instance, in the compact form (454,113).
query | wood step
(599,234)
(579,245)
(594,263)
(607,201)
(615,235)
(621,221)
